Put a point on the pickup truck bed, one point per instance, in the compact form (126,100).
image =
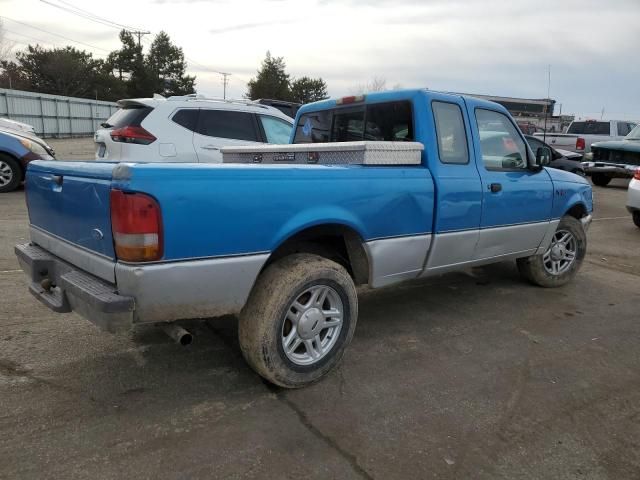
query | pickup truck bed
(283,245)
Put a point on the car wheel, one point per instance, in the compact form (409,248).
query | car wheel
(10,174)
(636,218)
(299,318)
(560,263)
(600,179)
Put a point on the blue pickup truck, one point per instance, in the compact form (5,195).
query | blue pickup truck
(424,183)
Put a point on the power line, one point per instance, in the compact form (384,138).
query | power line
(54,34)
(88,15)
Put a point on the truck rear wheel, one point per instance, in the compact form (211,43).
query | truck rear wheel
(636,218)
(299,318)
(560,263)
(600,179)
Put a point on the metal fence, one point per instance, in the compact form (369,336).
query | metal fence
(55,115)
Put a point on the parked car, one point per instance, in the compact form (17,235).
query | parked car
(288,108)
(17,149)
(7,123)
(282,234)
(582,134)
(614,159)
(189,128)
(633,197)
(560,159)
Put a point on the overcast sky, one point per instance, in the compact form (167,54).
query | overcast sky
(485,46)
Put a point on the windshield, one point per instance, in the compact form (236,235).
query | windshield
(634,134)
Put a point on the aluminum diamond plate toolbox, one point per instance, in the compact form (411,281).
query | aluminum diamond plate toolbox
(345,153)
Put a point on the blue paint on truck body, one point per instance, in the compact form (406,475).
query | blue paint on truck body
(215,210)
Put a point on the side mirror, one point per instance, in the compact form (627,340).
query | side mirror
(543,157)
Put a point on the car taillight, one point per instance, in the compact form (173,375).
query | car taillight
(136,224)
(580,143)
(637,174)
(351,99)
(132,134)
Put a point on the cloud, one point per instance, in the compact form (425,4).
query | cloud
(248,26)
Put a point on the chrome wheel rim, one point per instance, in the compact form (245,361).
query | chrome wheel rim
(312,325)
(6,174)
(561,254)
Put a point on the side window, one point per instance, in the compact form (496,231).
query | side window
(276,130)
(452,138)
(623,129)
(227,124)
(348,125)
(313,127)
(500,144)
(391,122)
(188,118)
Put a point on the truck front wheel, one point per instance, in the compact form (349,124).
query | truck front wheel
(299,318)
(560,263)
(600,179)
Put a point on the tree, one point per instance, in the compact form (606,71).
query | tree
(6,45)
(272,81)
(61,71)
(306,90)
(166,67)
(377,84)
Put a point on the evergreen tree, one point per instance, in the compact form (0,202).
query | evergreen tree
(272,81)
(307,90)
(166,67)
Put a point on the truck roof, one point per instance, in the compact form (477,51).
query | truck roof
(390,96)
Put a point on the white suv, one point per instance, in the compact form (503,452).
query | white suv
(189,128)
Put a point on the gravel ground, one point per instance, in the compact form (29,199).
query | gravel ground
(470,375)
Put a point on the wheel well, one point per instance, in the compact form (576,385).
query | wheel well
(577,211)
(339,243)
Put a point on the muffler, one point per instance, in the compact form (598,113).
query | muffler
(177,333)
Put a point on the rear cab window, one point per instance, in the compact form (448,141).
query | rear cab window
(590,128)
(450,132)
(388,121)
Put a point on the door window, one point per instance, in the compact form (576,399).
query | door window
(187,118)
(452,138)
(227,124)
(501,146)
(276,130)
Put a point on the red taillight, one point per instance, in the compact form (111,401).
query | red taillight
(637,174)
(131,134)
(580,143)
(351,99)
(137,227)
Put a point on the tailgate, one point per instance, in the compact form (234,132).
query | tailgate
(71,201)
(565,141)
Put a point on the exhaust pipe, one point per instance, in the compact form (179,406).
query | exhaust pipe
(178,334)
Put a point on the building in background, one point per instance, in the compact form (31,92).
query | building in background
(532,113)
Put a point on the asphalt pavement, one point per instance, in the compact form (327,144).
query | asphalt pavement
(473,375)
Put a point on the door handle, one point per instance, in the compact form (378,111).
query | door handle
(57,179)
(495,187)
(210,147)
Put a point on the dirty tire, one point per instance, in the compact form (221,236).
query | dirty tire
(262,319)
(533,269)
(600,179)
(9,166)
(636,218)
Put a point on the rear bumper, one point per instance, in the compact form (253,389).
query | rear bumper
(65,288)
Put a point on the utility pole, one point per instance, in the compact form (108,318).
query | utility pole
(224,84)
(139,34)
(546,110)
